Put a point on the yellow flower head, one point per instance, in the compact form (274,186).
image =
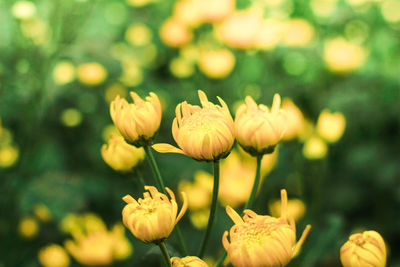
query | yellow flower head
(203,133)
(94,245)
(53,256)
(257,240)
(315,148)
(174,33)
(138,122)
(189,261)
(330,126)
(28,228)
(364,249)
(216,64)
(153,217)
(258,129)
(91,73)
(121,156)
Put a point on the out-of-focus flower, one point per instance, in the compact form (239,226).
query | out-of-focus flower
(268,161)
(306,131)
(94,245)
(24,10)
(315,148)
(91,73)
(341,56)
(8,156)
(28,228)
(269,34)
(188,261)
(71,117)
(199,192)
(181,67)
(258,129)
(53,256)
(331,126)
(153,217)
(215,11)
(36,29)
(138,122)
(295,208)
(70,223)
(323,8)
(64,72)
(298,32)
(113,90)
(364,249)
(199,218)
(239,29)
(132,74)
(174,33)
(138,34)
(203,133)
(216,64)
(258,240)
(295,119)
(391,11)
(121,156)
(42,212)
(188,12)
(140,3)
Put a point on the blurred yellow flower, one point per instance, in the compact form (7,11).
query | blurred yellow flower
(239,29)
(188,261)
(203,133)
(323,8)
(37,30)
(28,228)
(23,10)
(42,212)
(269,34)
(216,64)
(138,34)
(295,208)
(199,218)
(70,223)
(153,217)
(113,90)
(295,119)
(8,156)
(94,245)
(121,156)
(315,148)
(364,249)
(341,56)
(258,240)
(188,12)
(140,3)
(71,117)
(391,11)
(306,131)
(64,72)
(298,32)
(199,192)
(132,74)
(331,126)
(175,34)
(53,256)
(214,11)
(138,122)
(181,67)
(258,129)
(91,73)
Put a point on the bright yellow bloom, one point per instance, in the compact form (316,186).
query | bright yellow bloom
(259,240)
(295,119)
(174,33)
(215,11)
(153,217)
(8,156)
(299,32)
(189,261)
(28,228)
(138,34)
(138,123)
(216,64)
(259,129)
(64,72)
(315,148)
(269,34)
(94,245)
(121,156)
(364,249)
(53,256)
(295,208)
(203,133)
(91,73)
(330,126)
(199,192)
(188,12)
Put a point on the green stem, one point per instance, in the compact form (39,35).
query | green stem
(161,187)
(164,251)
(249,202)
(212,209)
(140,178)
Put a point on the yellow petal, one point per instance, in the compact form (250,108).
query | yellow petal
(166,148)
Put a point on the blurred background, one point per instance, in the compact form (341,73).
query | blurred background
(335,62)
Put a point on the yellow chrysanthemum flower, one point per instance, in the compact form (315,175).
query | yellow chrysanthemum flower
(364,249)
(331,126)
(91,73)
(216,64)
(259,240)
(315,148)
(259,129)
(203,133)
(189,261)
(121,156)
(174,33)
(53,256)
(28,228)
(299,32)
(153,217)
(138,123)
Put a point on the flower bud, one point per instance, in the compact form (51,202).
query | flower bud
(203,133)
(364,249)
(188,261)
(153,217)
(259,129)
(331,126)
(121,156)
(138,123)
